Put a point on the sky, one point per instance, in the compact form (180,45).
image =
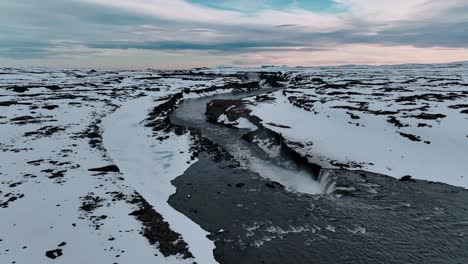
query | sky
(174,34)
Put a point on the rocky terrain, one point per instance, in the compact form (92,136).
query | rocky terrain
(96,170)
(413,119)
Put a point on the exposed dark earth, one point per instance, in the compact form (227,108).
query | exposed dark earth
(271,165)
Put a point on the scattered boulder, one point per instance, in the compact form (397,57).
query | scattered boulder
(407,178)
(53,254)
(410,137)
(50,107)
(394,121)
(62,244)
(110,168)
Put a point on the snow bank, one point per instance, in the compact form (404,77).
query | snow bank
(396,122)
(150,166)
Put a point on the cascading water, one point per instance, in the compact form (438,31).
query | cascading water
(296,178)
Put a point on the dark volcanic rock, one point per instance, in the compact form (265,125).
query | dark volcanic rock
(430,97)
(90,202)
(158,231)
(203,144)
(273,79)
(364,108)
(410,137)
(216,108)
(110,168)
(428,116)
(11,198)
(353,116)
(9,103)
(459,106)
(22,118)
(50,107)
(157,118)
(394,121)
(53,254)
(19,89)
(407,178)
(62,244)
(277,125)
(235,109)
(45,131)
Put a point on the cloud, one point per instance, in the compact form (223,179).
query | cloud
(180,10)
(216,31)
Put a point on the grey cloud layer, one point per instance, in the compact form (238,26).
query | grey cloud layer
(33,28)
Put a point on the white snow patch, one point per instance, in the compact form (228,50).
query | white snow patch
(242,122)
(150,166)
(245,124)
(375,144)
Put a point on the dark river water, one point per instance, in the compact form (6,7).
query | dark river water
(368,218)
(282,169)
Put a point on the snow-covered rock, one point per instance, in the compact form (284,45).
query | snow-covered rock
(392,120)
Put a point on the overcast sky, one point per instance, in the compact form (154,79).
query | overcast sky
(191,33)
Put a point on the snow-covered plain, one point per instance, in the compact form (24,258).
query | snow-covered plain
(55,125)
(152,165)
(398,121)
(52,127)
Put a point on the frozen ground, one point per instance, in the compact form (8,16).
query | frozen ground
(55,125)
(395,121)
(51,133)
(152,165)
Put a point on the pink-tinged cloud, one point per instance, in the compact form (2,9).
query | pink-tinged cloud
(360,54)
(180,34)
(340,55)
